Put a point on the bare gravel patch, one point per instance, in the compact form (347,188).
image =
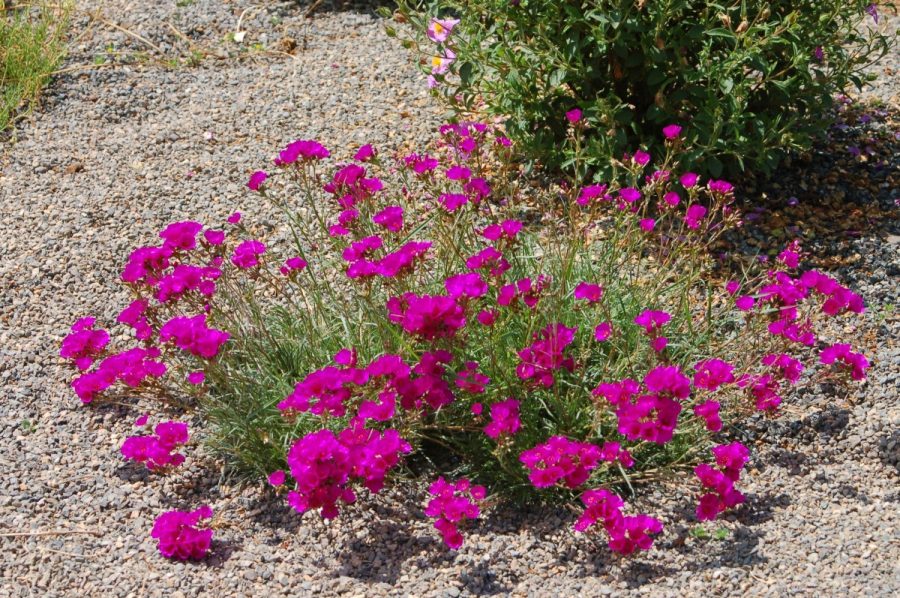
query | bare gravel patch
(122,147)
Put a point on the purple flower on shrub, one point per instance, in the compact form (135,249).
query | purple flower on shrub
(671,132)
(630,194)
(504,419)
(181,235)
(603,331)
(365,153)
(276,478)
(694,215)
(179,537)
(257,179)
(688,179)
(439,29)
(872,11)
(641,158)
(573,115)
(246,254)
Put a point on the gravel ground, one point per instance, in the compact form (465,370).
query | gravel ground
(120,148)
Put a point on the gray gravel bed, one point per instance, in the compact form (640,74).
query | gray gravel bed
(116,152)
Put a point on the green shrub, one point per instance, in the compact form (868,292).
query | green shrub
(750,79)
(31,46)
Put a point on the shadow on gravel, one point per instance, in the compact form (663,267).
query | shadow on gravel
(889,450)
(219,554)
(380,554)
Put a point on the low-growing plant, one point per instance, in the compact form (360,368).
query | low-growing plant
(31,46)
(752,79)
(429,319)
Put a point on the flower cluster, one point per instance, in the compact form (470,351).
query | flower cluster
(323,464)
(626,533)
(156,450)
(179,536)
(730,459)
(560,459)
(453,504)
(546,355)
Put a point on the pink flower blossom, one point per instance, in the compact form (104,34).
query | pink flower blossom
(234,218)
(641,158)
(440,64)
(427,316)
(694,215)
(560,460)
(672,199)
(603,331)
(546,355)
(246,254)
(592,192)
(469,285)
(745,303)
(487,317)
(452,505)
(439,29)
(84,343)
(489,259)
(720,187)
(573,115)
(191,334)
(365,153)
(471,380)
(732,287)
(647,224)
(292,265)
(708,411)
(671,132)
(156,451)
(504,419)
(652,321)
(630,194)
(712,373)
(390,218)
(303,150)
(592,293)
(179,536)
(459,173)
(856,363)
(508,229)
(276,478)
(257,179)
(688,179)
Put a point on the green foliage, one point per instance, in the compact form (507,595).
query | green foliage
(31,47)
(742,76)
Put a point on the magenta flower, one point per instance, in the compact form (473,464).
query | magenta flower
(487,317)
(708,411)
(712,373)
(856,363)
(641,158)
(489,259)
(427,316)
(672,199)
(181,235)
(257,179)
(390,218)
(246,254)
(156,451)
(790,369)
(469,285)
(276,478)
(573,115)
(546,355)
(179,536)
(688,179)
(872,11)
(504,419)
(142,420)
(560,460)
(592,192)
(732,287)
(652,321)
(452,505)
(647,224)
(303,150)
(196,378)
(617,393)
(694,215)
(471,380)
(452,201)
(193,335)
(630,194)
(745,302)
(365,153)
(603,331)
(292,265)
(626,533)
(671,132)
(720,187)
(234,218)
(508,229)
(439,29)
(592,293)
(85,343)
(459,173)
(214,237)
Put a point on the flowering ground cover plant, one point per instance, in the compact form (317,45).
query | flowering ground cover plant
(428,322)
(753,79)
